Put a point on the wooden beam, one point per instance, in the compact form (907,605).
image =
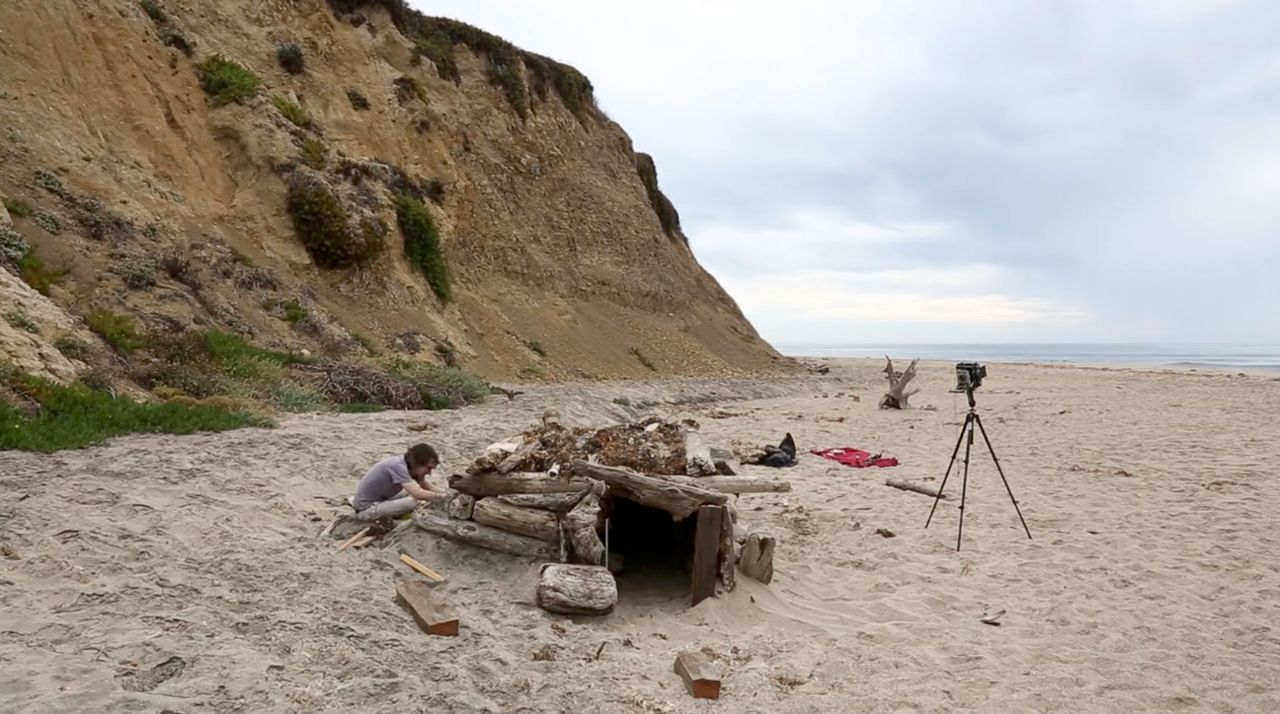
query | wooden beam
(483,536)
(577,589)
(496,484)
(533,522)
(912,486)
(733,484)
(364,541)
(706,551)
(679,499)
(700,676)
(428,572)
(427,608)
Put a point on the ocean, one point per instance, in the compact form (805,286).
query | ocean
(1250,358)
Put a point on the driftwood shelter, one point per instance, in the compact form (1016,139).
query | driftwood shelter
(595,502)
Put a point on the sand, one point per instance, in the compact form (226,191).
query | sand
(186,574)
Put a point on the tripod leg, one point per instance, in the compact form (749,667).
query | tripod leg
(964,485)
(950,464)
(1002,478)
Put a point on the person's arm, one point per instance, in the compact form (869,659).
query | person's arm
(419,492)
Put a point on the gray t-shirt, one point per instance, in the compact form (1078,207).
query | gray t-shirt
(383,482)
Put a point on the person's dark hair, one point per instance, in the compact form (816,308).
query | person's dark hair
(421,455)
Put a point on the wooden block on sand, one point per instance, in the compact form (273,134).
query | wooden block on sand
(427,608)
(700,677)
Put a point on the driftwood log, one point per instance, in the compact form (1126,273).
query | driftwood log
(517,457)
(679,499)
(555,502)
(757,557)
(577,589)
(913,486)
(483,536)
(733,484)
(533,522)
(697,455)
(896,396)
(581,528)
(496,484)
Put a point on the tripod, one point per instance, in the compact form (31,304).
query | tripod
(970,422)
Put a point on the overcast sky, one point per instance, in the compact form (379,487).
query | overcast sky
(1092,171)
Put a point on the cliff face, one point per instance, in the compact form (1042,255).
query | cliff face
(563,258)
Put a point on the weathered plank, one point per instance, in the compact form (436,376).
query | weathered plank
(495,484)
(577,589)
(533,522)
(427,608)
(757,557)
(483,536)
(700,676)
(706,551)
(678,499)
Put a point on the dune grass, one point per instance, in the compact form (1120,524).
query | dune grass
(76,416)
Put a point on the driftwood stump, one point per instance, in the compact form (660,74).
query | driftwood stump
(697,455)
(757,557)
(577,589)
(580,528)
(896,396)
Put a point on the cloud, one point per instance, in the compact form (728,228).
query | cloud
(1095,170)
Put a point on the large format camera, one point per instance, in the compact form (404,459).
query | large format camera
(969,376)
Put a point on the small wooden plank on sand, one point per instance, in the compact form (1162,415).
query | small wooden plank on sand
(427,608)
(424,570)
(352,540)
(913,486)
(700,677)
(706,551)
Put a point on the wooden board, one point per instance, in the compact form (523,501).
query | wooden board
(726,559)
(533,522)
(496,484)
(679,499)
(427,608)
(424,570)
(699,675)
(577,589)
(483,536)
(706,552)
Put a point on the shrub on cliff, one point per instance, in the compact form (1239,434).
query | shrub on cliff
(226,81)
(422,244)
(289,55)
(294,113)
(323,226)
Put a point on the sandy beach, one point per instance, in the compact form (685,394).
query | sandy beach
(187,574)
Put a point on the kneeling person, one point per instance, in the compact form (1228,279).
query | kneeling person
(395,485)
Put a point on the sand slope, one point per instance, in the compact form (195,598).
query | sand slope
(185,574)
